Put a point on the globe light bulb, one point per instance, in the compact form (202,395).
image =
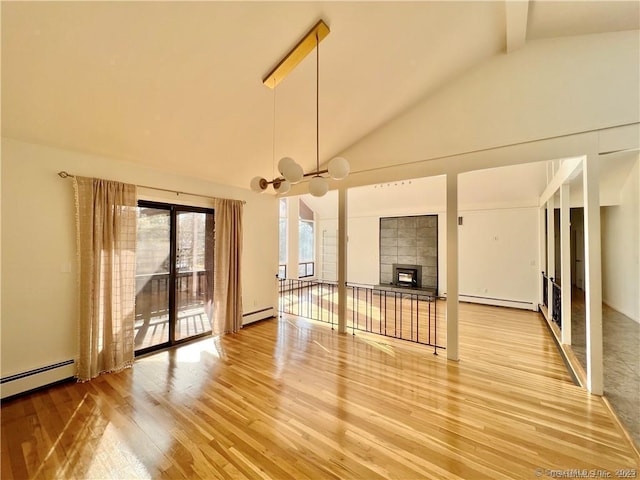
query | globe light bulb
(318,186)
(284,187)
(339,168)
(258,184)
(283,163)
(293,172)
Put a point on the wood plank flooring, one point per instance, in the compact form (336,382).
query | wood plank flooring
(292,399)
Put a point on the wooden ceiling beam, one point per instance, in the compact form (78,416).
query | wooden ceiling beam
(311,39)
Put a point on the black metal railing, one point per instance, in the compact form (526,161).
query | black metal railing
(556,314)
(409,315)
(556,298)
(313,299)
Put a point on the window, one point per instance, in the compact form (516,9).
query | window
(306,242)
(282,268)
(174,274)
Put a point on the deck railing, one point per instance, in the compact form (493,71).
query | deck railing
(409,315)
(152,297)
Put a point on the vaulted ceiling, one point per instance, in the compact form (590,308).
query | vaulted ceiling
(177,85)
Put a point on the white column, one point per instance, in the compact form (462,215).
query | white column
(593,272)
(293,216)
(541,252)
(565,259)
(452,267)
(342,260)
(551,253)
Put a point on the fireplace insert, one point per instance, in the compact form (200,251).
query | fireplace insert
(407,275)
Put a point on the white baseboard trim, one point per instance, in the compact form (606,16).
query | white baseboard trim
(257,315)
(497,302)
(36,378)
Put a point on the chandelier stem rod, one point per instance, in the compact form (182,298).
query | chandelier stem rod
(273,137)
(310,174)
(317,105)
(317,172)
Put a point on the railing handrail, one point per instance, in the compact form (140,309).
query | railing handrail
(553,279)
(166,274)
(394,289)
(377,288)
(157,274)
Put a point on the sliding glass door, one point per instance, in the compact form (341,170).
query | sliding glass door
(174,277)
(194,273)
(153,252)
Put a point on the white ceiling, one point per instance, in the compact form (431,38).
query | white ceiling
(177,85)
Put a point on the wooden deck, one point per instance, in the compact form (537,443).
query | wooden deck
(292,399)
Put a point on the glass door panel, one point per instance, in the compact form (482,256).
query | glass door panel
(152,277)
(194,273)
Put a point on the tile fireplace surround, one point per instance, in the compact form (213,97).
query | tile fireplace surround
(409,240)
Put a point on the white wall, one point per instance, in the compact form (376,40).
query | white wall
(363,250)
(499,257)
(621,249)
(39,289)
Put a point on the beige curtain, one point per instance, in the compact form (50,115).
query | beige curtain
(227,312)
(106,236)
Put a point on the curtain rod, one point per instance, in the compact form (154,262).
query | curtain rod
(63,174)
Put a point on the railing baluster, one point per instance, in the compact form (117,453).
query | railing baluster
(435,324)
(356,290)
(331,314)
(418,322)
(411,331)
(315,302)
(395,313)
(401,308)
(429,321)
(385,314)
(290,297)
(370,314)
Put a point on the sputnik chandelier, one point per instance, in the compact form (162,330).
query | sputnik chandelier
(290,171)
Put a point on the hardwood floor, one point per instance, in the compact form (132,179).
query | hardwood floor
(293,399)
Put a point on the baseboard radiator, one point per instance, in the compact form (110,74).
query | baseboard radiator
(257,315)
(36,378)
(497,302)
